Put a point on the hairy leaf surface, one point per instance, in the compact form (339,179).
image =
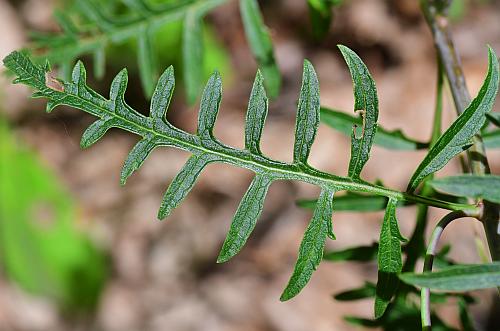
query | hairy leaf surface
(458,136)
(307,115)
(365,101)
(390,261)
(311,248)
(245,219)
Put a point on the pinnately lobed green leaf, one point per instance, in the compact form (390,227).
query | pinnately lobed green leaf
(390,260)
(457,277)
(365,101)
(204,148)
(311,248)
(457,137)
(261,45)
(474,186)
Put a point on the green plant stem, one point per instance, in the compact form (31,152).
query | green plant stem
(425,294)
(438,22)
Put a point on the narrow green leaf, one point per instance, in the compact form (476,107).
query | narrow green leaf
(458,136)
(139,6)
(395,140)
(209,107)
(246,217)
(365,101)
(117,90)
(311,248)
(320,14)
(492,139)
(457,278)
(261,45)
(366,291)
(99,62)
(146,60)
(390,261)
(183,183)
(494,118)
(359,253)
(136,158)
(256,115)
(307,115)
(192,53)
(160,101)
(474,186)
(465,317)
(96,131)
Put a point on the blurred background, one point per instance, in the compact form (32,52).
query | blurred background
(80,252)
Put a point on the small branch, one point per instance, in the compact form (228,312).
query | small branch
(435,15)
(425,294)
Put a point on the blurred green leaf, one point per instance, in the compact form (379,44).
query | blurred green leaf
(474,186)
(390,261)
(368,290)
(320,13)
(261,45)
(41,248)
(457,277)
(494,118)
(359,254)
(353,202)
(344,123)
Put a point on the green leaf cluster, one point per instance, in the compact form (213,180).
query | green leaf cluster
(155,131)
(98,29)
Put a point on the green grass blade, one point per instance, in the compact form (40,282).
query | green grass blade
(261,45)
(307,115)
(256,115)
(457,278)
(311,248)
(366,101)
(458,136)
(390,261)
(246,217)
